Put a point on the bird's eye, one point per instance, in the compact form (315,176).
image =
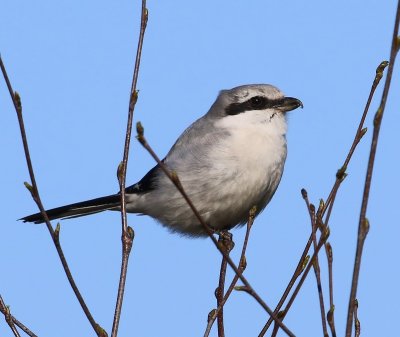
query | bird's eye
(257,102)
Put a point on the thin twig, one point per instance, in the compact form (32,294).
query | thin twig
(301,265)
(341,173)
(127,232)
(321,242)
(5,311)
(303,261)
(317,270)
(274,330)
(357,324)
(175,180)
(328,205)
(8,317)
(331,313)
(324,236)
(363,224)
(33,188)
(225,240)
(242,266)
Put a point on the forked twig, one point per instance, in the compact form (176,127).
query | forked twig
(127,232)
(323,238)
(301,269)
(175,180)
(363,225)
(16,99)
(328,205)
(303,262)
(242,266)
(8,317)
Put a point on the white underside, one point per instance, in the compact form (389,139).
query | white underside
(237,172)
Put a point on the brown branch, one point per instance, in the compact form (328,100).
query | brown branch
(6,312)
(324,236)
(341,173)
(33,188)
(317,271)
(363,224)
(330,315)
(127,232)
(225,240)
(8,317)
(357,324)
(242,266)
(175,180)
(303,261)
(327,207)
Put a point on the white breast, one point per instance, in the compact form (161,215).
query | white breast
(252,156)
(240,169)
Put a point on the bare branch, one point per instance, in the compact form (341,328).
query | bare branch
(361,131)
(175,180)
(321,242)
(303,261)
(331,313)
(363,225)
(127,232)
(314,226)
(242,266)
(16,99)
(7,315)
(225,240)
(281,315)
(357,324)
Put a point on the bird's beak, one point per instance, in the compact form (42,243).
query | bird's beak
(288,104)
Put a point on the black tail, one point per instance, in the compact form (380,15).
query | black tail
(78,209)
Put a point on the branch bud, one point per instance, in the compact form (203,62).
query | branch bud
(241,288)
(100,331)
(253,212)
(380,69)
(303,264)
(341,173)
(28,187)
(365,226)
(378,116)
(120,172)
(140,132)
(329,315)
(57,232)
(211,315)
(329,253)
(363,132)
(17,101)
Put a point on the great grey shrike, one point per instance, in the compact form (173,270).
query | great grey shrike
(228,161)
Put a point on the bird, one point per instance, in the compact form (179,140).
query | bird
(228,161)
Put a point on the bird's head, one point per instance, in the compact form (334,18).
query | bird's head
(253,104)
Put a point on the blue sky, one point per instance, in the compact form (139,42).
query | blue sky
(72,64)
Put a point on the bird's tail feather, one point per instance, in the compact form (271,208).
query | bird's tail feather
(78,209)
